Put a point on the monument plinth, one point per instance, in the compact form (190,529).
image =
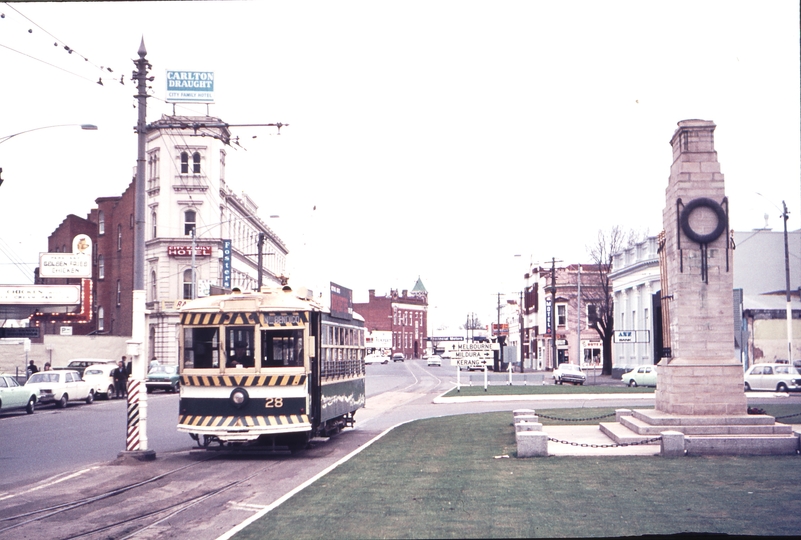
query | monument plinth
(700,403)
(701,375)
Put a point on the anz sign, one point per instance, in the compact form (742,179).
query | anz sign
(632,336)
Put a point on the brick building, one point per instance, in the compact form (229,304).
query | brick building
(199,236)
(397,321)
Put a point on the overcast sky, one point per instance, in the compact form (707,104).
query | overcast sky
(436,139)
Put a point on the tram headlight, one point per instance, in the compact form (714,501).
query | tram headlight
(239,397)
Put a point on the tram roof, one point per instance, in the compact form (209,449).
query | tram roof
(275,298)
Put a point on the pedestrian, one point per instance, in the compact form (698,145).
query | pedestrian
(47,366)
(120,379)
(32,369)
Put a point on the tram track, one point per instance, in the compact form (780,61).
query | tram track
(133,509)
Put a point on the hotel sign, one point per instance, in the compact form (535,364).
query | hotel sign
(202,251)
(190,86)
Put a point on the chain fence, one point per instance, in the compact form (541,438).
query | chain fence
(613,445)
(575,419)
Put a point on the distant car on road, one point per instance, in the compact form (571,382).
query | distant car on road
(376,358)
(773,377)
(61,386)
(569,373)
(15,396)
(640,376)
(163,377)
(398,357)
(434,360)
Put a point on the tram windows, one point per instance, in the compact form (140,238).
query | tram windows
(201,348)
(239,343)
(282,348)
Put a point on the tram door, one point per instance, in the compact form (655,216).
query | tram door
(315,360)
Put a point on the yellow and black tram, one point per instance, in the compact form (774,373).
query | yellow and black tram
(270,367)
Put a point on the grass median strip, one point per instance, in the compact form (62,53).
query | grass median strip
(548,389)
(448,478)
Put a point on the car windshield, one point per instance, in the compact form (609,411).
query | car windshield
(43,378)
(93,372)
(570,367)
(162,369)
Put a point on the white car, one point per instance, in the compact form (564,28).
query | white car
(61,386)
(773,377)
(570,373)
(15,396)
(640,376)
(434,360)
(376,358)
(101,378)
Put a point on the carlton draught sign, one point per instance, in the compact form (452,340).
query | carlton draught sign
(190,86)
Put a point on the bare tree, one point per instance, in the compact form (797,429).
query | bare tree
(598,296)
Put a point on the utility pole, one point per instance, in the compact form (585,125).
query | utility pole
(261,254)
(520,321)
(552,290)
(136,440)
(786,215)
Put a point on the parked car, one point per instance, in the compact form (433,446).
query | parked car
(376,358)
(60,387)
(773,377)
(101,378)
(640,376)
(16,396)
(434,360)
(80,364)
(568,373)
(398,357)
(163,377)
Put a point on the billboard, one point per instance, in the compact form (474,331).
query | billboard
(190,86)
(77,264)
(341,302)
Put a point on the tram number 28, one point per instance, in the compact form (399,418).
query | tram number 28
(274,403)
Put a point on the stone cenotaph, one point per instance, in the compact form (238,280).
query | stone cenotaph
(700,402)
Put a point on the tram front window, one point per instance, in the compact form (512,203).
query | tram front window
(239,341)
(201,348)
(282,348)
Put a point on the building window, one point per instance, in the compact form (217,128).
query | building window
(153,289)
(153,223)
(101,223)
(119,293)
(101,267)
(190,216)
(153,169)
(561,315)
(119,237)
(188,284)
(222,165)
(101,319)
(196,163)
(184,163)
(592,315)
(132,221)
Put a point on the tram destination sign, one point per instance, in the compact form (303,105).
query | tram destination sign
(25,332)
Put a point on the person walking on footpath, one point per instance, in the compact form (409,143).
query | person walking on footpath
(32,369)
(120,379)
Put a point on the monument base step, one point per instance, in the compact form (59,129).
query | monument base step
(707,435)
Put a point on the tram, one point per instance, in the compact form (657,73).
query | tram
(270,367)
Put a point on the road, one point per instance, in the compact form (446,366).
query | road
(58,456)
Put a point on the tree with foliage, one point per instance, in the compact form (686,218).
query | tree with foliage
(599,297)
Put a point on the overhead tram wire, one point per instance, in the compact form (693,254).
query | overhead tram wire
(65,47)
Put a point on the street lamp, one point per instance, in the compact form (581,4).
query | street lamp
(88,127)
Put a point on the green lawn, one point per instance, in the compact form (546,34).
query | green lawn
(442,478)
